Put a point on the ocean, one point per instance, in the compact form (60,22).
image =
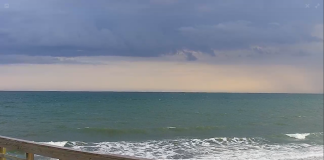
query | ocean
(224,126)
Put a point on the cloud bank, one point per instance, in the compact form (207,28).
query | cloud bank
(225,46)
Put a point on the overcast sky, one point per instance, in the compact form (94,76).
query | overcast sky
(162,45)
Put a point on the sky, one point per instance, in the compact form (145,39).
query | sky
(267,46)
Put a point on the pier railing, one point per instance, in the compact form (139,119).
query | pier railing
(61,153)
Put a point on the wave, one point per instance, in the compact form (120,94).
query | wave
(303,136)
(298,135)
(61,144)
(224,148)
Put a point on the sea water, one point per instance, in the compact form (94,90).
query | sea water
(221,126)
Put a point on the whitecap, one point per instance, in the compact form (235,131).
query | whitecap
(60,144)
(298,135)
(222,148)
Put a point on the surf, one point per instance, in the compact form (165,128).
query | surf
(222,148)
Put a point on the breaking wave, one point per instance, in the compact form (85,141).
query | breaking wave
(298,135)
(223,148)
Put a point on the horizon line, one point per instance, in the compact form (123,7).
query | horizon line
(158,91)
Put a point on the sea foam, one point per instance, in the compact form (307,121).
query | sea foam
(220,148)
(61,144)
(298,135)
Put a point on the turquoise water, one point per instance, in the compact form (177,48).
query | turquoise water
(170,125)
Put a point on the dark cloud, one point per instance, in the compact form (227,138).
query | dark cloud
(262,51)
(191,57)
(21,59)
(148,28)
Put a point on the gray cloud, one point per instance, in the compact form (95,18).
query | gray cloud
(243,34)
(151,28)
(191,57)
(22,59)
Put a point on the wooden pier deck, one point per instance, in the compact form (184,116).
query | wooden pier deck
(61,153)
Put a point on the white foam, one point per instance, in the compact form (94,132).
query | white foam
(220,148)
(61,144)
(298,135)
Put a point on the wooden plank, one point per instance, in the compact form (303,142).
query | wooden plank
(56,151)
(2,152)
(29,156)
(2,156)
(10,157)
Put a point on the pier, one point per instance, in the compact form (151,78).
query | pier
(62,153)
